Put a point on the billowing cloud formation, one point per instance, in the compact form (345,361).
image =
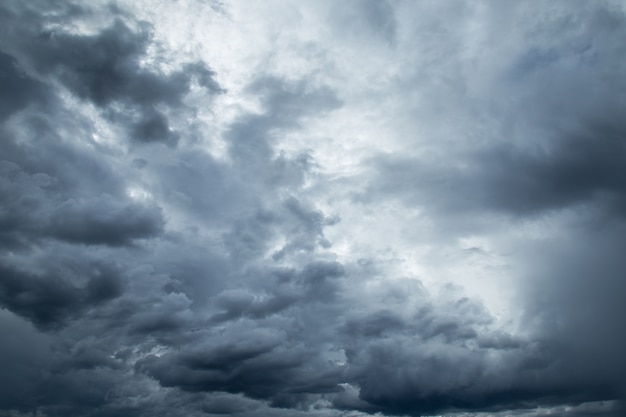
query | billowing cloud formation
(312,209)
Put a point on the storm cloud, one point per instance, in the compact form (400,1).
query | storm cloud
(312,208)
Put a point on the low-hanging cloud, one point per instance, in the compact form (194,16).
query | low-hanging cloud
(305,244)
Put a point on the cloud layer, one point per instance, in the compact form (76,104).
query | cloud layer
(312,208)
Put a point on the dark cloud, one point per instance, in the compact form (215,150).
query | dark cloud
(261,365)
(105,69)
(576,170)
(28,350)
(80,234)
(141,280)
(558,141)
(45,200)
(559,158)
(106,223)
(50,299)
(578,306)
(19,90)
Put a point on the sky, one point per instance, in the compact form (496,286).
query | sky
(312,208)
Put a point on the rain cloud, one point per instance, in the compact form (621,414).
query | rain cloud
(316,209)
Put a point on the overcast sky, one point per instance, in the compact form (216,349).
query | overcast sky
(312,208)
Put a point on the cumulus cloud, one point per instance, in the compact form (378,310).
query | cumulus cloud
(362,208)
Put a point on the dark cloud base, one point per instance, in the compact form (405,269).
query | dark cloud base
(181,302)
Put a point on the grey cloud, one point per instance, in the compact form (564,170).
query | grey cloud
(42,200)
(285,104)
(591,408)
(219,292)
(253,354)
(66,214)
(300,226)
(47,187)
(105,69)
(241,303)
(402,377)
(438,359)
(577,169)
(52,298)
(152,126)
(577,309)
(28,351)
(557,141)
(18,89)
(558,156)
(260,365)
(375,324)
(106,222)
(245,194)
(285,292)
(372,19)
(442,358)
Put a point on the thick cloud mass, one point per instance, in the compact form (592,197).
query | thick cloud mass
(312,208)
